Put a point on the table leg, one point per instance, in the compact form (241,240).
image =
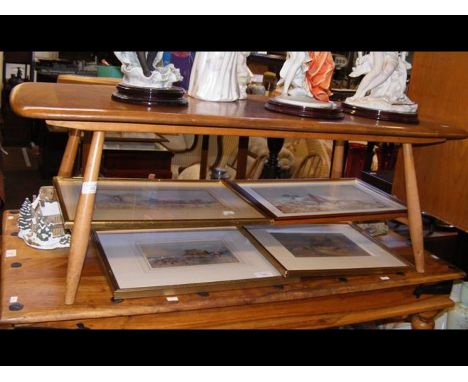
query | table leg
(424,320)
(272,169)
(69,156)
(86,143)
(369,156)
(84,213)
(242,153)
(414,209)
(338,159)
(204,156)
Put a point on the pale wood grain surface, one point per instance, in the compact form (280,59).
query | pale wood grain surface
(70,102)
(39,284)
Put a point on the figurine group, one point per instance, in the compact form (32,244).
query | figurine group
(40,222)
(305,77)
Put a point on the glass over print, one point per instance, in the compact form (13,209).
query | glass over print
(142,200)
(313,198)
(331,248)
(161,260)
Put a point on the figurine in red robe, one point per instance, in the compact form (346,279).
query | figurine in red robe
(319,75)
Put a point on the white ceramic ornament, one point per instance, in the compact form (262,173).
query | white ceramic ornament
(384,84)
(215,76)
(162,77)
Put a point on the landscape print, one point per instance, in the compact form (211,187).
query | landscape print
(319,244)
(167,198)
(163,255)
(320,199)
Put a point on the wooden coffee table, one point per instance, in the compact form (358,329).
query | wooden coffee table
(90,108)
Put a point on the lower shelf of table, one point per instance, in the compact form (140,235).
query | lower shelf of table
(317,313)
(39,285)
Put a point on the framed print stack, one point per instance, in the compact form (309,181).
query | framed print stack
(143,203)
(141,263)
(315,199)
(325,249)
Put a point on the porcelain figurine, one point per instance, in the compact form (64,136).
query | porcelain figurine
(40,223)
(143,69)
(147,81)
(215,76)
(244,74)
(381,93)
(306,79)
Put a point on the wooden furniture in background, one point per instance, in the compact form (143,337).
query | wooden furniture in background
(439,84)
(124,163)
(38,281)
(15,131)
(93,110)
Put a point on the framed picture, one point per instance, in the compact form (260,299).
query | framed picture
(142,203)
(301,199)
(144,263)
(325,249)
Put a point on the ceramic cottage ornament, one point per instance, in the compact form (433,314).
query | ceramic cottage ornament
(40,223)
(306,79)
(215,76)
(381,93)
(147,81)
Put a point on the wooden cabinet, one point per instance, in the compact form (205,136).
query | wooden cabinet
(439,84)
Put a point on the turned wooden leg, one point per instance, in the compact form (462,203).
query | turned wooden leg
(69,156)
(85,145)
(84,214)
(414,209)
(338,157)
(424,320)
(272,169)
(242,152)
(204,156)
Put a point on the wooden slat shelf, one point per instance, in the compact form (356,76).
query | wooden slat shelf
(39,285)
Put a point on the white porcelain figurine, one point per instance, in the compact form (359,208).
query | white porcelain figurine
(244,74)
(384,84)
(306,78)
(144,70)
(215,76)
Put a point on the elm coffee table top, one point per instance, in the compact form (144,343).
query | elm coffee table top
(93,103)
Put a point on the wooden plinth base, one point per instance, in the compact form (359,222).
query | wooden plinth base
(380,115)
(304,111)
(149,96)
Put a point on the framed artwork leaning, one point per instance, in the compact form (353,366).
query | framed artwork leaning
(302,199)
(325,249)
(144,203)
(142,263)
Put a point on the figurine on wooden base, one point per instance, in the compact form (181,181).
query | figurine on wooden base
(381,93)
(146,81)
(40,223)
(216,76)
(306,78)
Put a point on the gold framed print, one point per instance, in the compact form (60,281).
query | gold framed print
(325,249)
(143,203)
(302,199)
(142,263)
